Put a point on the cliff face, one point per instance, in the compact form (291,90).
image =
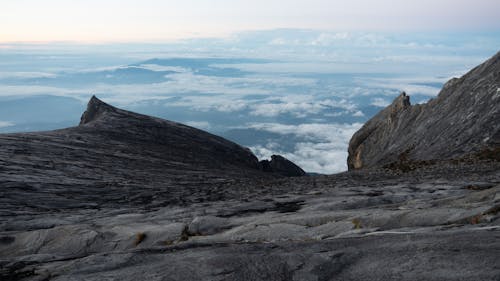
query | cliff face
(464,119)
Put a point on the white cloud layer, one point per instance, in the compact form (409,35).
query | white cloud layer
(380,102)
(25,74)
(302,106)
(4,124)
(202,125)
(323,149)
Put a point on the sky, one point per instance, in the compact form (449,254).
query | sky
(155,20)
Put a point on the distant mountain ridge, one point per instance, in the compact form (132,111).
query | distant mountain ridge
(464,119)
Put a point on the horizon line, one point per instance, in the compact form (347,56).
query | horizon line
(229,34)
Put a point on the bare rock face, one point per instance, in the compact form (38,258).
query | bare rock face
(95,109)
(282,166)
(176,141)
(181,138)
(463,121)
(116,158)
(128,197)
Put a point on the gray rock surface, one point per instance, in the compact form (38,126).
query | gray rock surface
(116,158)
(125,196)
(463,121)
(439,223)
(282,166)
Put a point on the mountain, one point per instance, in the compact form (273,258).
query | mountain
(169,141)
(462,121)
(124,196)
(113,151)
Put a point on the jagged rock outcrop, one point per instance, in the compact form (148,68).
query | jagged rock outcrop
(462,121)
(282,166)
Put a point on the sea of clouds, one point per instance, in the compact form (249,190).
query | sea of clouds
(299,93)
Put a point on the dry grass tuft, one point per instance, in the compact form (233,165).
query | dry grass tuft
(357,223)
(139,237)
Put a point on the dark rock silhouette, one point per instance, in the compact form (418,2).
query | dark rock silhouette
(282,166)
(194,144)
(462,121)
(173,141)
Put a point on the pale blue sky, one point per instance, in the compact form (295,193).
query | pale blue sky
(155,20)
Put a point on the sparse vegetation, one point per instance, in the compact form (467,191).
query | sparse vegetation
(476,219)
(168,242)
(139,237)
(357,223)
(185,234)
(490,154)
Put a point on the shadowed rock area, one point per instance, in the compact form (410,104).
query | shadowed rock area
(282,166)
(463,121)
(125,196)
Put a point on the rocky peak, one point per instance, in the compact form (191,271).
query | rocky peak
(401,103)
(461,121)
(282,166)
(95,108)
(178,142)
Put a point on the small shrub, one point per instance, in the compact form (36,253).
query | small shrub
(168,242)
(357,223)
(490,154)
(185,234)
(475,219)
(139,237)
